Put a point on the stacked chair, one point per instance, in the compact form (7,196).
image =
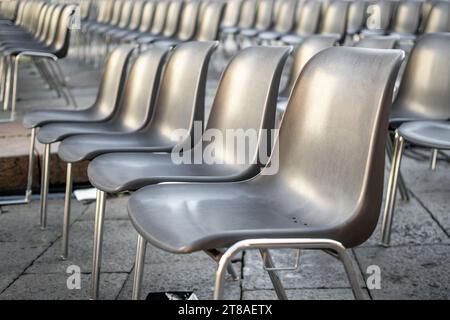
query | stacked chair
(147,132)
(42,33)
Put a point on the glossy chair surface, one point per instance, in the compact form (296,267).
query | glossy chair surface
(310,196)
(232,100)
(424,91)
(429,134)
(111,84)
(439,18)
(407,18)
(377,42)
(186,68)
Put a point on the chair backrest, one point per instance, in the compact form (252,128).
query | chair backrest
(424,91)
(308,20)
(239,94)
(136,15)
(232,12)
(54,24)
(116,13)
(377,42)
(125,15)
(305,51)
(173,17)
(407,17)
(46,23)
(112,81)
(356,16)
(188,22)
(424,14)
(335,20)
(147,16)
(139,94)
(209,27)
(160,17)
(286,15)
(181,95)
(40,25)
(85,9)
(439,18)
(248,14)
(331,144)
(264,14)
(62,37)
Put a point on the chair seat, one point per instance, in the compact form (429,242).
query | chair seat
(269,35)
(400,115)
(230,30)
(292,39)
(168,42)
(87,147)
(249,32)
(55,132)
(185,218)
(148,39)
(432,134)
(41,117)
(107,173)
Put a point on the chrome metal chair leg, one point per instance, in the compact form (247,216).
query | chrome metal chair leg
(391,191)
(139,267)
(319,244)
(276,282)
(28,191)
(44,185)
(98,243)
(404,195)
(434,155)
(66,223)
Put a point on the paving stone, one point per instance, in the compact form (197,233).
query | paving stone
(15,258)
(116,208)
(54,287)
(118,249)
(317,270)
(410,272)
(439,204)
(420,178)
(20,223)
(300,294)
(412,224)
(196,276)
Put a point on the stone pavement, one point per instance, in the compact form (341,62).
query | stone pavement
(414,267)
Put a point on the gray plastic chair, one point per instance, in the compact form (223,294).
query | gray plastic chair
(108,96)
(233,100)
(174,10)
(439,18)
(111,85)
(191,76)
(305,51)
(423,95)
(334,23)
(208,28)
(55,47)
(406,20)
(232,13)
(263,21)
(356,17)
(307,22)
(284,22)
(311,202)
(147,18)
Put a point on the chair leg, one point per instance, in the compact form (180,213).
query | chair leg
(29,191)
(434,155)
(66,223)
(404,195)
(276,282)
(98,242)
(44,184)
(139,267)
(7,93)
(391,191)
(319,244)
